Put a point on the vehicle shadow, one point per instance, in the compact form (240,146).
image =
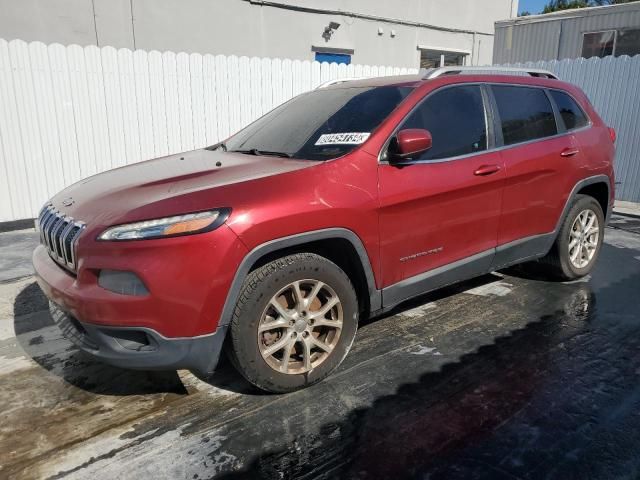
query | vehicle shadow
(416,431)
(227,378)
(555,398)
(42,341)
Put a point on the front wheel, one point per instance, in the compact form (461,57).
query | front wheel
(579,241)
(294,322)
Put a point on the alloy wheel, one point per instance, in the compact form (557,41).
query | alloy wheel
(300,326)
(583,238)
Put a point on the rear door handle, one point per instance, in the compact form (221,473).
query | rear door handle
(569,152)
(483,170)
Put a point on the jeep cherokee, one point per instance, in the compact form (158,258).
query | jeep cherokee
(337,205)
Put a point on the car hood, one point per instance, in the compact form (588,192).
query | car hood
(175,184)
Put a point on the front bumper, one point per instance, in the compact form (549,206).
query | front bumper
(187,280)
(173,324)
(141,348)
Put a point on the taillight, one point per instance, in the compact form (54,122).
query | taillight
(612,134)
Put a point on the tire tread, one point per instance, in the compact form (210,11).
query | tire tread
(251,284)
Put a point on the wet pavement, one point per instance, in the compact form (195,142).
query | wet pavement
(505,376)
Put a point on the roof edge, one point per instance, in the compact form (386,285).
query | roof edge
(570,13)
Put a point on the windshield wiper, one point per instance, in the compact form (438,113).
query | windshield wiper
(255,151)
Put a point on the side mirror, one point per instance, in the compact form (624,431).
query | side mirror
(410,142)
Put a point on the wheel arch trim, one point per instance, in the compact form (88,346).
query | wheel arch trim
(375,296)
(574,192)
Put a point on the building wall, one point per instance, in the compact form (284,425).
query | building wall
(286,29)
(559,35)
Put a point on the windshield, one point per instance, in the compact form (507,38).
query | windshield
(321,124)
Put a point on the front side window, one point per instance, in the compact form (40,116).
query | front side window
(321,124)
(598,44)
(571,113)
(525,113)
(455,118)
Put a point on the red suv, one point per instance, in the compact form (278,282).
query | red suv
(337,205)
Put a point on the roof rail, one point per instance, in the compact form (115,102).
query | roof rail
(339,80)
(534,72)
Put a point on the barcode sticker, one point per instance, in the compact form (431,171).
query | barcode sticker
(351,138)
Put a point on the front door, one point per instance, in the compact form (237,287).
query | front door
(441,210)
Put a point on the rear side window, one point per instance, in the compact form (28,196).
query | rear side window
(570,111)
(455,118)
(525,113)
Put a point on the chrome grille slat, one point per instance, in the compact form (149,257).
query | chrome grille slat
(41,221)
(59,234)
(42,213)
(63,239)
(55,234)
(73,240)
(52,226)
(47,230)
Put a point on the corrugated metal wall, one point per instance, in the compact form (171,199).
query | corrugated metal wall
(613,86)
(70,112)
(518,43)
(557,36)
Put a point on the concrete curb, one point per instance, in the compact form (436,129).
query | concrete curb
(627,208)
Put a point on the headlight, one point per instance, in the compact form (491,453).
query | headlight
(167,227)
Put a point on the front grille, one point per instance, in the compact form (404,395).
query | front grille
(59,234)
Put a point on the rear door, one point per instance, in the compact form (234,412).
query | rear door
(443,205)
(540,158)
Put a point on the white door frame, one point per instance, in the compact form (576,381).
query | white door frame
(467,53)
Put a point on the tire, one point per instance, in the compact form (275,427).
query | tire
(294,318)
(558,262)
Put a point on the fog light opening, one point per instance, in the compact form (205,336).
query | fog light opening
(122,282)
(132,339)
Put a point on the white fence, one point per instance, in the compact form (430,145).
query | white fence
(69,112)
(613,86)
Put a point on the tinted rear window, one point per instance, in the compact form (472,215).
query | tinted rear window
(296,127)
(525,113)
(571,113)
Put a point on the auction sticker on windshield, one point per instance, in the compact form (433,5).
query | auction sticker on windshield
(352,138)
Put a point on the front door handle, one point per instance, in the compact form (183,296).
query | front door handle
(483,170)
(569,152)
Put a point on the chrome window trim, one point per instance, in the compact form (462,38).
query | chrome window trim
(385,146)
(496,148)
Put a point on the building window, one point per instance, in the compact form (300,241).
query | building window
(598,44)
(333,57)
(440,58)
(611,42)
(627,42)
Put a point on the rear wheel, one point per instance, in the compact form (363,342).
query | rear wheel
(577,247)
(294,322)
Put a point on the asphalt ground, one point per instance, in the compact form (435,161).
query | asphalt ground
(504,376)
